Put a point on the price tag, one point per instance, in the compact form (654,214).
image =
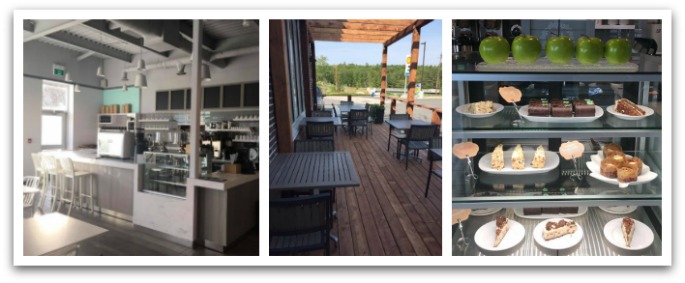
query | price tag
(465,149)
(510,94)
(572,149)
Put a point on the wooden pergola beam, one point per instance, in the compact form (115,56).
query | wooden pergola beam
(403,23)
(352,31)
(406,31)
(349,38)
(384,74)
(356,26)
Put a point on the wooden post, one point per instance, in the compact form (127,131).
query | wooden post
(393,106)
(384,73)
(437,117)
(313,64)
(411,84)
(281,85)
(349,98)
(309,95)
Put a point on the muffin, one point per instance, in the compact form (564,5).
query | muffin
(634,162)
(627,174)
(610,149)
(608,168)
(618,158)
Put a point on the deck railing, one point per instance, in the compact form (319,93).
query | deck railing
(436,116)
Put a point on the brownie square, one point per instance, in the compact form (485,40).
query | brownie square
(584,108)
(532,211)
(550,210)
(562,110)
(570,209)
(537,107)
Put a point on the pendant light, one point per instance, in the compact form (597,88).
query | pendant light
(141,62)
(100,72)
(141,80)
(206,75)
(76,88)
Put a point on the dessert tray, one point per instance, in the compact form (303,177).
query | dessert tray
(617,209)
(551,162)
(648,112)
(518,211)
(642,236)
(563,242)
(485,236)
(524,113)
(464,110)
(645,176)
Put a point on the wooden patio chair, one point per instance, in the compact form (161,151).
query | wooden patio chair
(418,138)
(320,130)
(358,118)
(434,143)
(396,133)
(300,224)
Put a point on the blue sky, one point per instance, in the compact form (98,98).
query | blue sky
(362,53)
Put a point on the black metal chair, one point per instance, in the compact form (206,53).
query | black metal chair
(300,224)
(358,119)
(370,120)
(320,130)
(396,133)
(418,138)
(322,114)
(434,143)
(314,145)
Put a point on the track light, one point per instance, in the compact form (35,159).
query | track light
(124,78)
(206,75)
(180,68)
(100,73)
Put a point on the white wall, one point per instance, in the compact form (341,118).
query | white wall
(33,90)
(82,118)
(39,57)
(240,69)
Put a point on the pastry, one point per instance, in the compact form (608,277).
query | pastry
(584,108)
(555,230)
(518,162)
(561,108)
(626,174)
(627,107)
(497,160)
(628,228)
(539,107)
(617,158)
(610,149)
(634,162)
(502,224)
(608,168)
(539,158)
(482,107)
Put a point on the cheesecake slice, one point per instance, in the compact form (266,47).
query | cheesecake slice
(555,230)
(497,160)
(518,162)
(502,224)
(628,228)
(539,158)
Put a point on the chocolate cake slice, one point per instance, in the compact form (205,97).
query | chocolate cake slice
(562,109)
(537,107)
(584,108)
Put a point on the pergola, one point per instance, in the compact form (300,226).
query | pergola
(382,31)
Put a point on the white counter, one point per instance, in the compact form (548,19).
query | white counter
(89,156)
(230,181)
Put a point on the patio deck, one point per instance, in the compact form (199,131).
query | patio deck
(387,214)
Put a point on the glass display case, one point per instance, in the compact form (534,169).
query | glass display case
(564,189)
(166,173)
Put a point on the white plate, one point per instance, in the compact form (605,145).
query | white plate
(617,209)
(464,110)
(645,176)
(485,211)
(518,211)
(648,112)
(551,162)
(642,237)
(524,112)
(485,236)
(560,243)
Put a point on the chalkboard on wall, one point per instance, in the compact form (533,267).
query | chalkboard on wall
(251,95)
(232,95)
(212,97)
(162,100)
(177,100)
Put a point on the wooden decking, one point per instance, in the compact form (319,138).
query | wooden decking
(387,214)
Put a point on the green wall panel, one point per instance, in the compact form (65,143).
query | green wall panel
(118,96)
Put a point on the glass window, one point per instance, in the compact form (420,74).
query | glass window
(55,96)
(52,130)
(55,106)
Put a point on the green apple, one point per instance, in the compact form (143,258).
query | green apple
(526,49)
(494,49)
(589,50)
(559,49)
(618,51)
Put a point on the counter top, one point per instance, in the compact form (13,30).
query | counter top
(224,181)
(89,156)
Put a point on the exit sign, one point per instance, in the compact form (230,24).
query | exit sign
(58,70)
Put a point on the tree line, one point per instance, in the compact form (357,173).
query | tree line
(334,78)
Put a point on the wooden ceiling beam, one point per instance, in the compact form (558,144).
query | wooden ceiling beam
(348,38)
(406,31)
(353,26)
(402,23)
(351,31)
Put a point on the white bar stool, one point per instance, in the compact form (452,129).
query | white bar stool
(51,180)
(76,188)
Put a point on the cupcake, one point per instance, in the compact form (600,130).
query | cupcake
(627,174)
(608,168)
